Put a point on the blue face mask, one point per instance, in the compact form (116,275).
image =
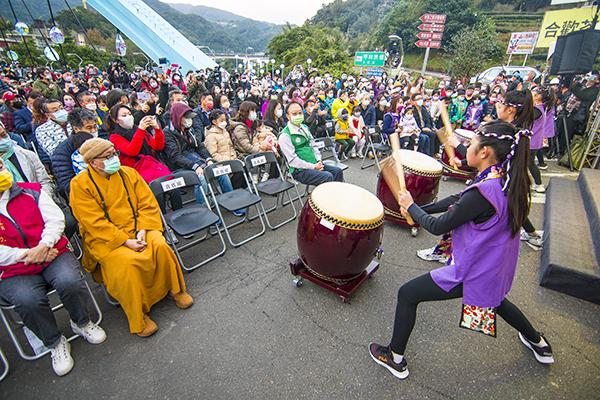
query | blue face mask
(112,165)
(6,146)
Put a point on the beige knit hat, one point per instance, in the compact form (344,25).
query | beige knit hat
(92,148)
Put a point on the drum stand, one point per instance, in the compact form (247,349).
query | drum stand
(344,290)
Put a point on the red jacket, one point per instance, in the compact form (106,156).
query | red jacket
(24,228)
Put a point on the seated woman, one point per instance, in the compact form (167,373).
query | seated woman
(121,229)
(357,127)
(141,147)
(34,256)
(342,134)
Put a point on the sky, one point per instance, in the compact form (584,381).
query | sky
(275,11)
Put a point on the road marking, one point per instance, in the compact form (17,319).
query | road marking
(560,174)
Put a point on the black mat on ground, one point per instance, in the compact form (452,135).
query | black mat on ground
(569,259)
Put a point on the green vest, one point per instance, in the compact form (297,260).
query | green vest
(302,146)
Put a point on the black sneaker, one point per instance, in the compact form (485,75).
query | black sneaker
(382,355)
(542,354)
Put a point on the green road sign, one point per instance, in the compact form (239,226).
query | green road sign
(369,59)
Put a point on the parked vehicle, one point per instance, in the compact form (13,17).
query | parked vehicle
(490,74)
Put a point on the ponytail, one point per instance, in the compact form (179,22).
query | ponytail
(511,147)
(523,101)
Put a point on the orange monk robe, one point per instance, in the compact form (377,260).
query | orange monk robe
(137,280)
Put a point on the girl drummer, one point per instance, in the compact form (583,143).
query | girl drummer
(485,222)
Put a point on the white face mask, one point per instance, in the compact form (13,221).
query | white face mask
(420,102)
(126,122)
(279,113)
(222,124)
(187,122)
(252,116)
(91,106)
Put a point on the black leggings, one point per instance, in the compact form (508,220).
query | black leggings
(533,168)
(423,288)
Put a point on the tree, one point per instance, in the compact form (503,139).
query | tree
(473,49)
(326,47)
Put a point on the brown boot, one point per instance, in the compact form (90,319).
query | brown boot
(183,300)
(150,328)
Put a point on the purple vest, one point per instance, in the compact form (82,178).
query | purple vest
(485,255)
(549,125)
(537,140)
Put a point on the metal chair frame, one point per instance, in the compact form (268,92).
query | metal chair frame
(186,179)
(5,316)
(374,147)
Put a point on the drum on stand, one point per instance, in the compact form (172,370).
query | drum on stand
(464,136)
(422,176)
(339,236)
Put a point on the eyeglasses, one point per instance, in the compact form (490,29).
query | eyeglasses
(111,155)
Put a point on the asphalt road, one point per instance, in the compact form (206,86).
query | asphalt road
(252,334)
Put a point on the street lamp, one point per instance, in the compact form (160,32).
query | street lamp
(272,67)
(309,61)
(282,66)
(208,48)
(146,57)
(80,60)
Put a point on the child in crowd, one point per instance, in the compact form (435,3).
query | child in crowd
(474,114)
(356,125)
(410,134)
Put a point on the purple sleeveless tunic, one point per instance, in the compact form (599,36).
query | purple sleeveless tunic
(537,140)
(549,125)
(485,255)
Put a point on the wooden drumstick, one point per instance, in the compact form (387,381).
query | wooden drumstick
(444,134)
(395,143)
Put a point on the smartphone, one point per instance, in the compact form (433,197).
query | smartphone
(143,97)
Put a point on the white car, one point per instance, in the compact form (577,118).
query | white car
(489,75)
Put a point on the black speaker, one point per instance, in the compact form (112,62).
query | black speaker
(575,53)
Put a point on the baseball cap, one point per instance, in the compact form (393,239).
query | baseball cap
(8,96)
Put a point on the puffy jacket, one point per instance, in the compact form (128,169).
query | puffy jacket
(242,139)
(219,144)
(178,142)
(62,165)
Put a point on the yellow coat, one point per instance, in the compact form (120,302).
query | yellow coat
(137,280)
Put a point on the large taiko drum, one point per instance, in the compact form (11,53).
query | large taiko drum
(464,136)
(422,178)
(339,231)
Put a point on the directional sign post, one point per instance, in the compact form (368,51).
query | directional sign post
(432,29)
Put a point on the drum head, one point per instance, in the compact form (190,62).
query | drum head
(464,134)
(347,203)
(420,162)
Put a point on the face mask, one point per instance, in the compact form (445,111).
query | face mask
(476,102)
(209,105)
(222,124)
(297,119)
(436,98)
(408,116)
(492,100)
(420,103)
(6,145)
(366,103)
(60,116)
(176,78)
(67,78)
(344,118)
(330,95)
(91,106)
(296,94)
(154,84)
(252,116)
(279,113)
(241,96)
(461,98)
(126,122)
(285,98)
(187,122)
(225,105)
(70,103)
(112,165)
(6,180)
(48,76)
(483,96)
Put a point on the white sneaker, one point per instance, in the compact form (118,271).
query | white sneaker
(62,362)
(539,188)
(91,332)
(536,242)
(428,255)
(265,177)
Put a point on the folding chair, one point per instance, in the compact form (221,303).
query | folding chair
(375,144)
(6,366)
(9,320)
(328,144)
(329,126)
(237,199)
(274,187)
(188,219)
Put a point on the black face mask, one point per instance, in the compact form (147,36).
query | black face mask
(17,104)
